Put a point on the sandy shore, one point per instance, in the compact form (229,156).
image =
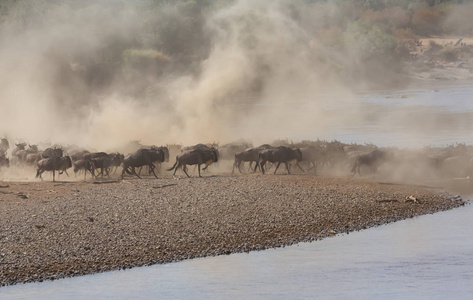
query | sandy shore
(53,230)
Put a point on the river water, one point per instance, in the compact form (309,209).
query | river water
(428,257)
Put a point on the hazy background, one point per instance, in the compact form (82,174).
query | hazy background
(104,72)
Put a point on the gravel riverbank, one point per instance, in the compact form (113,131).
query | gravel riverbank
(52,230)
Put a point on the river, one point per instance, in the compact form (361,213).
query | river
(428,257)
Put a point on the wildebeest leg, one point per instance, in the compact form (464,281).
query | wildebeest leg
(134,172)
(177,167)
(68,174)
(198,165)
(313,167)
(261,166)
(239,167)
(38,174)
(287,168)
(184,168)
(139,170)
(151,167)
(54,179)
(297,164)
(277,167)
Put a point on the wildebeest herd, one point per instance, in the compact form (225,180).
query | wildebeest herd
(307,156)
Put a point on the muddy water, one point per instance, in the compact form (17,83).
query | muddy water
(429,257)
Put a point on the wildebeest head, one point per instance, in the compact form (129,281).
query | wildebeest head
(20,146)
(32,148)
(215,152)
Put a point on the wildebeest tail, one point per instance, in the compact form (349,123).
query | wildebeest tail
(172,168)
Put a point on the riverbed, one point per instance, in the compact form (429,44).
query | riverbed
(427,257)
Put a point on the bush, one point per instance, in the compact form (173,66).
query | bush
(427,21)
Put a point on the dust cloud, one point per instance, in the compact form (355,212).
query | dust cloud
(102,73)
(57,87)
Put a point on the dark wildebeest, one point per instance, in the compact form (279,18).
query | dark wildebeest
(281,154)
(335,154)
(373,160)
(208,147)
(227,151)
(85,165)
(203,147)
(195,157)
(164,151)
(250,155)
(79,154)
(142,157)
(105,162)
(52,152)
(116,160)
(314,155)
(53,164)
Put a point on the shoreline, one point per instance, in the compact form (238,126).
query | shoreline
(64,229)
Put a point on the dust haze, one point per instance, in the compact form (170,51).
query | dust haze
(100,74)
(54,87)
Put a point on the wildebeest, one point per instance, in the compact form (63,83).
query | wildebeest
(314,155)
(4,161)
(157,158)
(335,153)
(33,158)
(52,152)
(281,154)
(249,155)
(228,151)
(53,164)
(195,157)
(456,166)
(373,160)
(142,157)
(164,149)
(104,161)
(85,165)
(4,145)
(78,154)
(19,146)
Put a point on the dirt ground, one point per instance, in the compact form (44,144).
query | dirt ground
(52,230)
